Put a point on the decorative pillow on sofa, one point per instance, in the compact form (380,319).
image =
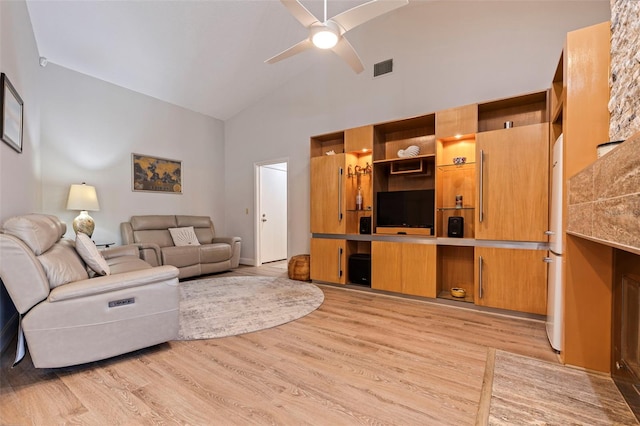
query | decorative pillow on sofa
(90,254)
(184,236)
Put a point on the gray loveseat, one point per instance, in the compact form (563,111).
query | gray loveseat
(209,254)
(68,318)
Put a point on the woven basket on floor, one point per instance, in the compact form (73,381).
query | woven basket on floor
(299,267)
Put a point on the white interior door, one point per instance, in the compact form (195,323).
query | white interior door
(273,212)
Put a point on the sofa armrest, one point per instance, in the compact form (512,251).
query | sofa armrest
(227,240)
(128,250)
(109,283)
(150,253)
(235,243)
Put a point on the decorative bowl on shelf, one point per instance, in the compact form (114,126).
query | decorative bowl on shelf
(458,292)
(459,160)
(411,151)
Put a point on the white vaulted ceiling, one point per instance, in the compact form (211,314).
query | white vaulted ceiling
(207,55)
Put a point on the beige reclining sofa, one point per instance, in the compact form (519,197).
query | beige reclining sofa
(69,318)
(157,236)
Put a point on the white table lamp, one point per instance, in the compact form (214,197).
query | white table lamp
(84,198)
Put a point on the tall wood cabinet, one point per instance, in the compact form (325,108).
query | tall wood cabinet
(579,111)
(513,179)
(328,199)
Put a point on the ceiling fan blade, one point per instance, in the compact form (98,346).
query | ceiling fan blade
(360,14)
(348,53)
(293,50)
(300,12)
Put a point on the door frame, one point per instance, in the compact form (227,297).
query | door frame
(257,191)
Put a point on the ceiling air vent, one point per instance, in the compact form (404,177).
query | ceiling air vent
(384,67)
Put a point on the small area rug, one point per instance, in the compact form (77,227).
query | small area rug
(227,306)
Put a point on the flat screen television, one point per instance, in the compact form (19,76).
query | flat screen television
(411,209)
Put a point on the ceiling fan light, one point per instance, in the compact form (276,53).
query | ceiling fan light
(324,39)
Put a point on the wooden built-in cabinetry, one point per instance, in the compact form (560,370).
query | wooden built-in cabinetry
(579,111)
(493,179)
(495,157)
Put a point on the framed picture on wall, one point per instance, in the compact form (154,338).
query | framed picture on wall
(11,111)
(156,174)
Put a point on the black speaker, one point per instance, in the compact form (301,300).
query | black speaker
(456,227)
(360,269)
(365,225)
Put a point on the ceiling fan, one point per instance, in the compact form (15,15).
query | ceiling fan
(329,34)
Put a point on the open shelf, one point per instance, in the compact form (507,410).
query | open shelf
(455,269)
(521,110)
(456,180)
(321,145)
(391,137)
(450,149)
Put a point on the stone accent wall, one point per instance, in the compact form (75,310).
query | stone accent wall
(604,202)
(624,104)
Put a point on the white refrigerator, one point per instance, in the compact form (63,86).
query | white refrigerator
(555,290)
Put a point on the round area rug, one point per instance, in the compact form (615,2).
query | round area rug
(226,306)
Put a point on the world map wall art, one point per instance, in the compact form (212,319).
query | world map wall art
(156,174)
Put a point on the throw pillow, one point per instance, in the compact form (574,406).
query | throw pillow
(90,254)
(184,236)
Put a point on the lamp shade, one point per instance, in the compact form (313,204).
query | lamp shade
(83,197)
(325,36)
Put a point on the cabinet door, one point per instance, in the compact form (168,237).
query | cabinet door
(404,268)
(511,279)
(328,194)
(328,260)
(386,266)
(513,177)
(419,269)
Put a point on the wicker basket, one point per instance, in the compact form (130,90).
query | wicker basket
(299,267)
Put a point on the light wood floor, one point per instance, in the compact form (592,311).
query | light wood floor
(360,358)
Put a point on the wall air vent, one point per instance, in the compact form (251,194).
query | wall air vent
(384,67)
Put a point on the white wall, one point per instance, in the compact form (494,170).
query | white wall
(90,128)
(19,173)
(445,54)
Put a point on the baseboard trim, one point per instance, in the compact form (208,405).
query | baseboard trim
(247,261)
(9,332)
